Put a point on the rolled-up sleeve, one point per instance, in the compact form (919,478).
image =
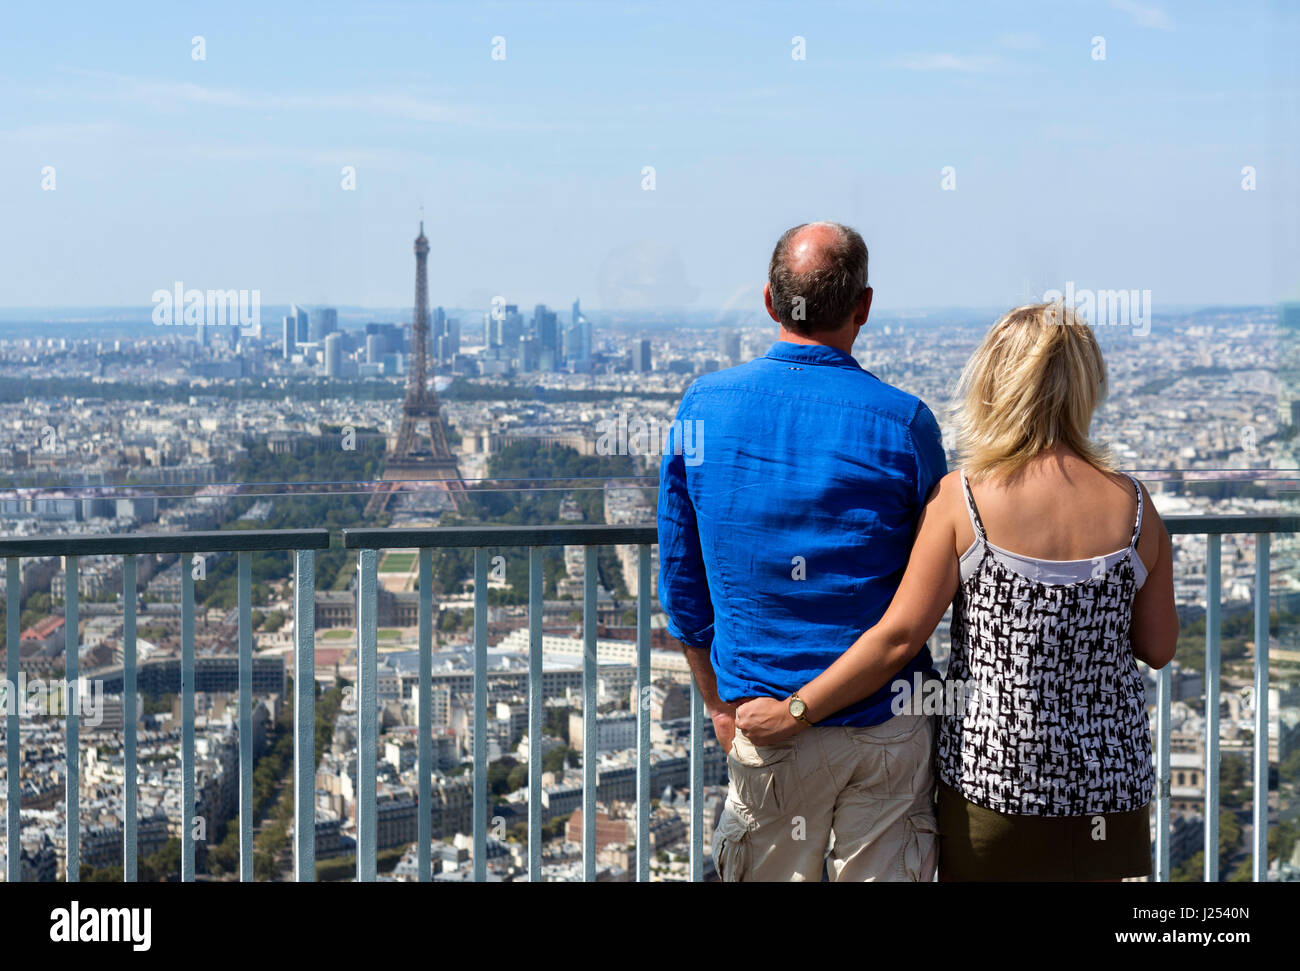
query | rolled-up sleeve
(683,584)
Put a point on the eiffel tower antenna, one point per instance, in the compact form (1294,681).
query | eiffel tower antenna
(420,450)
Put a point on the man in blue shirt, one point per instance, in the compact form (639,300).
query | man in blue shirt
(784,529)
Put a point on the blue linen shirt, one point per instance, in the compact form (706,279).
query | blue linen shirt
(788,500)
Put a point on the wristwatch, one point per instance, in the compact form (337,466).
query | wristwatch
(799,710)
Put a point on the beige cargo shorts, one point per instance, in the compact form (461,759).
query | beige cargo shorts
(857,801)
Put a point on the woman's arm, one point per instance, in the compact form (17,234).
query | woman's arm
(923,596)
(1155,618)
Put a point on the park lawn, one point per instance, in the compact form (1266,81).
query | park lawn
(398,563)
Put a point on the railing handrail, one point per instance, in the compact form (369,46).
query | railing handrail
(199,541)
(445,537)
(1244,523)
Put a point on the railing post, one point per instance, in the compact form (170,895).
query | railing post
(1260,874)
(697,784)
(643,714)
(130,778)
(535,711)
(304,716)
(244,598)
(424,719)
(367,716)
(72,721)
(590,755)
(1164,685)
(1213,595)
(13,737)
(187,717)
(480,713)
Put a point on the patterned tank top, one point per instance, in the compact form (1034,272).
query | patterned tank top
(1054,718)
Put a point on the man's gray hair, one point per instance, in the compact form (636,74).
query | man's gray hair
(824,298)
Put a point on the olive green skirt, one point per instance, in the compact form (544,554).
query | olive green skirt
(978,844)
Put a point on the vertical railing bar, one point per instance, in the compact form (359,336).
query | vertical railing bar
(244,598)
(590,755)
(304,716)
(1213,594)
(130,777)
(480,713)
(187,718)
(643,714)
(1164,685)
(1260,868)
(535,711)
(367,717)
(424,719)
(72,721)
(697,785)
(13,725)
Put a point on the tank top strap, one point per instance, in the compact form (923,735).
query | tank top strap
(976,523)
(1137,524)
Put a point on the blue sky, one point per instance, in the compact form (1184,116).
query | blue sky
(226,172)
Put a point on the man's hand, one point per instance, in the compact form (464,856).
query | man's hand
(724,725)
(767,721)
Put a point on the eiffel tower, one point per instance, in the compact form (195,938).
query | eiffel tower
(420,450)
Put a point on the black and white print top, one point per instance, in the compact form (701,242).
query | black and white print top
(1054,717)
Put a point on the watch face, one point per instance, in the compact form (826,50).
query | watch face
(797,707)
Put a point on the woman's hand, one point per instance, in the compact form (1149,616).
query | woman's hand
(766,721)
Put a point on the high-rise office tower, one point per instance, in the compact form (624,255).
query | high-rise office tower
(333,355)
(450,345)
(641,357)
(729,347)
(324,321)
(375,348)
(546,330)
(509,332)
(446,336)
(1288,317)
(390,336)
(302,326)
(577,340)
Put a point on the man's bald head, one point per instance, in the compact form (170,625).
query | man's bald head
(817,276)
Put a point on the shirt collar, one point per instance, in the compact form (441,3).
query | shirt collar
(812,354)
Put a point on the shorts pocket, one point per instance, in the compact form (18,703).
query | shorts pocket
(756,756)
(731,849)
(758,788)
(760,776)
(920,855)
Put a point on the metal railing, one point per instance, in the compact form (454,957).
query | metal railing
(1214,528)
(368,543)
(302,542)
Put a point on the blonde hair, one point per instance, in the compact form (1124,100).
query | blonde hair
(1033,383)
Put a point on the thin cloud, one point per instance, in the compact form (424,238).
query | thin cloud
(175,96)
(1143,15)
(1023,41)
(948,62)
